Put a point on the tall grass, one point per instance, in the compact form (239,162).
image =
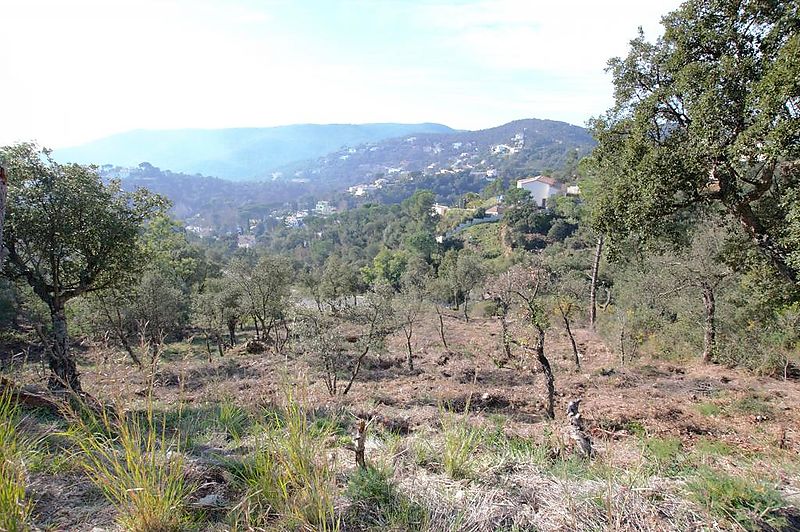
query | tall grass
(289,482)
(461,440)
(137,467)
(15,509)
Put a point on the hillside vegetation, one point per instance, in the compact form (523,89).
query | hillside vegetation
(623,357)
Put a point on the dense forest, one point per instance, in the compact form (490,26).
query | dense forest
(623,358)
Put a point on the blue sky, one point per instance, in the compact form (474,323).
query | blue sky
(83,69)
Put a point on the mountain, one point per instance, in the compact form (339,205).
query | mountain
(236,154)
(516,149)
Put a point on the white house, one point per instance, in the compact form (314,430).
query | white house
(440,209)
(541,187)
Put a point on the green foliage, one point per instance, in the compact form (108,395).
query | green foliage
(233,419)
(67,232)
(705,120)
(735,499)
(461,440)
(664,454)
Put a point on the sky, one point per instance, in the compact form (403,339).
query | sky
(73,71)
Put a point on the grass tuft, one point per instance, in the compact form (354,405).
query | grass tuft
(461,440)
(15,509)
(136,466)
(377,503)
(289,483)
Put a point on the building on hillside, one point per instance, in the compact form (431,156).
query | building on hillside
(573,190)
(246,241)
(496,210)
(440,209)
(323,208)
(541,187)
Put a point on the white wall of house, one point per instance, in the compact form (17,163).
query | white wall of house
(539,191)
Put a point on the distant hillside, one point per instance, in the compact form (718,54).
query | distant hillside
(512,150)
(236,154)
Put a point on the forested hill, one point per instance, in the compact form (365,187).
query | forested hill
(236,154)
(515,149)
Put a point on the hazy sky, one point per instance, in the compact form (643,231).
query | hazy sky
(81,69)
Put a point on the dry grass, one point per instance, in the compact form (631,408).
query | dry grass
(15,508)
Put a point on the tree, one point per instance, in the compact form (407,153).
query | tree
(69,234)
(265,288)
(420,208)
(529,282)
(341,341)
(409,305)
(160,309)
(568,291)
(700,267)
(706,118)
(461,272)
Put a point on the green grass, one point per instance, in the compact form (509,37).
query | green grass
(460,442)
(233,419)
(15,508)
(751,405)
(377,503)
(708,409)
(664,455)
(288,480)
(139,469)
(736,499)
(706,447)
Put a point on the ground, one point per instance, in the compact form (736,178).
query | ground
(680,445)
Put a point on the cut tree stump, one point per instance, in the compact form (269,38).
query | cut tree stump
(577,432)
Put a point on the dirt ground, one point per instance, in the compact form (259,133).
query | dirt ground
(621,403)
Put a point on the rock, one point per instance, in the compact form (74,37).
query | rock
(212,500)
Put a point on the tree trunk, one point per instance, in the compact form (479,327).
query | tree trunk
(548,373)
(232,331)
(506,337)
(598,251)
(771,249)
(441,326)
(466,300)
(220,347)
(409,355)
(710,337)
(571,339)
(3,195)
(255,322)
(64,373)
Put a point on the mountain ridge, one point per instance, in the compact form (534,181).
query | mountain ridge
(247,153)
